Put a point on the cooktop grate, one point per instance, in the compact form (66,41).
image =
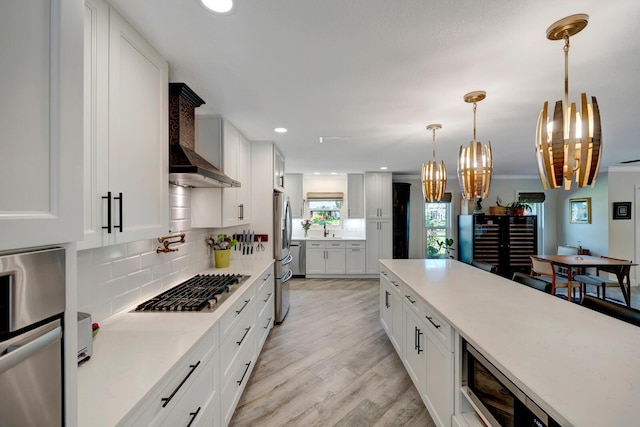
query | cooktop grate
(195,294)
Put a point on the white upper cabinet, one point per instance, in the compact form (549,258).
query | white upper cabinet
(355,195)
(223,207)
(378,195)
(278,170)
(41,161)
(293,186)
(126,132)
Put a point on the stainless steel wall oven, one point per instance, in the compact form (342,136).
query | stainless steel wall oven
(32,303)
(500,402)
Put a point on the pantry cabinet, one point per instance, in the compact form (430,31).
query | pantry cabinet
(41,161)
(378,195)
(126,132)
(223,207)
(379,243)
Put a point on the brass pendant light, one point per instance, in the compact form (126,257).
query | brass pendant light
(434,175)
(571,143)
(475,163)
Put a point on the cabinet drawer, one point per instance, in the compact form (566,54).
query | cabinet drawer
(264,296)
(238,378)
(334,245)
(264,323)
(315,244)
(171,390)
(265,280)
(439,328)
(360,245)
(391,279)
(240,308)
(193,405)
(412,301)
(237,339)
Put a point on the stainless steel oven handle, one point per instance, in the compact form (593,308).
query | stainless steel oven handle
(14,356)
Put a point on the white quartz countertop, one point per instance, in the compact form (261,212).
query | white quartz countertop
(582,367)
(133,351)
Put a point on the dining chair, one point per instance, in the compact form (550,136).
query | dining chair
(621,312)
(544,270)
(603,282)
(485,266)
(565,250)
(532,282)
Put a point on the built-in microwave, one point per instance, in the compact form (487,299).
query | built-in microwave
(498,400)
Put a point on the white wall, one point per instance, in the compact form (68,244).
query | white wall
(624,239)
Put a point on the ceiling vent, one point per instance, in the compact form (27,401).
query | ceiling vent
(333,139)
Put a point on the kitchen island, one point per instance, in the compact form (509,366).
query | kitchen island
(581,367)
(137,357)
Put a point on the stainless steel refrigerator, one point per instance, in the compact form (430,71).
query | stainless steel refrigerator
(282,253)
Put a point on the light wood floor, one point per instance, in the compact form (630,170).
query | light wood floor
(330,363)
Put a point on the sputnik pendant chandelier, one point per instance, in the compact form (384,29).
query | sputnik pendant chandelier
(570,143)
(475,163)
(434,175)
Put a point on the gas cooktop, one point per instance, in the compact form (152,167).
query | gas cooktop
(201,293)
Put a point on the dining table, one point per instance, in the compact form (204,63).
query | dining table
(614,266)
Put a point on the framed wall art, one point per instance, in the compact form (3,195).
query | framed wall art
(621,210)
(580,211)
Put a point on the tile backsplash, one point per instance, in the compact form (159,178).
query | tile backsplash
(113,278)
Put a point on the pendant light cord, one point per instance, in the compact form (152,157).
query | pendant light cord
(566,68)
(475,105)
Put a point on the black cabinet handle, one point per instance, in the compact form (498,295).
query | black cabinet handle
(410,300)
(415,337)
(166,400)
(108,197)
(241,211)
(119,210)
(242,308)
(246,331)
(395,284)
(418,341)
(386,299)
(268,323)
(268,296)
(245,373)
(194,415)
(430,319)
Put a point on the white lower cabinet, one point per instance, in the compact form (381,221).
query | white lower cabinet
(204,388)
(192,380)
(424,341)
(356,257)
(415,355)
(391,310)
(326,258)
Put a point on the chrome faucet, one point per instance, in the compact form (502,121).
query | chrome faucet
(326,233)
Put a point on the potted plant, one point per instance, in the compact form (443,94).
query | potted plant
(221,246)
(519,207)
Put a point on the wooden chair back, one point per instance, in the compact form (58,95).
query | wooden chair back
(625,269)
(542,267)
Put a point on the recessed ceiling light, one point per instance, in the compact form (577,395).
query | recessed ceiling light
(280,130)
(334,173)
(384,168)
(316,173)
(220,6)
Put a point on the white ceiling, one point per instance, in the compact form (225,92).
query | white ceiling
(378,71)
